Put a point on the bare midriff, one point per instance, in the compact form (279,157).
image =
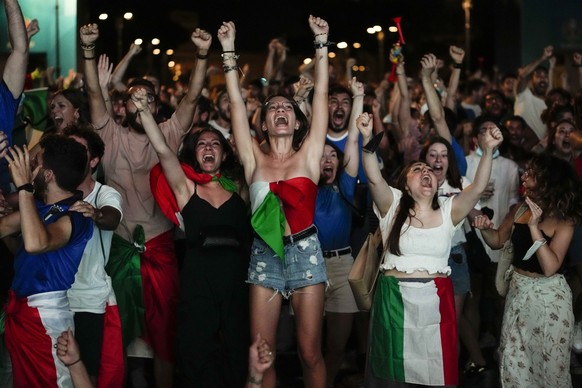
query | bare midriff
(528,273)
(415,274)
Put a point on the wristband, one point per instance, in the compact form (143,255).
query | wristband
(73,363)
(88,58)
(577,65)
(373,144)
(458,65)
(254,380)
(319,45)
(88,47)
(201,56)
(534,247)
(26,187)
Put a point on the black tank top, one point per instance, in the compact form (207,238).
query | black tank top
(522,241)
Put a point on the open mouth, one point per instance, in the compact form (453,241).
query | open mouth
(426,181)
(58,120)
(437,169)
(208,158)
(338,117)
(327,172)
(281,120)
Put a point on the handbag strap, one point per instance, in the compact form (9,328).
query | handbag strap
(518,213)
(376,240)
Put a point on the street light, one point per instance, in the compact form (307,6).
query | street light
(377,30)
(119,21)
(467,5)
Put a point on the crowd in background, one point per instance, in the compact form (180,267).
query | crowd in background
(177,178)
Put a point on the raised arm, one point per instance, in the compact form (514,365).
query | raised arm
(315,139)
(185,110)
(238,112)
(89,33)
(121,68)
(381,193)
(524,72)
(170,165)
(104,69)
(404,116)
(15,68)
(36,236)
(457,54)
(463,203)
(435,107)
(301,96)
(275,59)
(351,151)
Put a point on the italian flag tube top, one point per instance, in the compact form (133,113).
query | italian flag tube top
(275,204)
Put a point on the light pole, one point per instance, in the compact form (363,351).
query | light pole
(119,22)
(380,36)
(467,5)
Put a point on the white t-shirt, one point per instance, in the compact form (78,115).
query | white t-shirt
(505,174)
(92,284)
(423,249)
(225,131)
(530,107)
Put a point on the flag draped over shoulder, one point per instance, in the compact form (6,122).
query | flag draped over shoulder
(164,196)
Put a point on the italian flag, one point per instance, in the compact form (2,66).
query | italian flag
(414,332)
(112,369)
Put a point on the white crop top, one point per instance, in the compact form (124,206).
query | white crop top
(422,249)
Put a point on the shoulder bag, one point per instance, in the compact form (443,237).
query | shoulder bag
(365,271)
(504,267)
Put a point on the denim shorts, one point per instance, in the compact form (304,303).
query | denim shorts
(459,270)
(303,266)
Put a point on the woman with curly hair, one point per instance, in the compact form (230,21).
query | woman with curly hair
(538,321)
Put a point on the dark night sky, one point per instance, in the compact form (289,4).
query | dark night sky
(428,25)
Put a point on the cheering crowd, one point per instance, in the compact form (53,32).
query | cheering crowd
(183,224)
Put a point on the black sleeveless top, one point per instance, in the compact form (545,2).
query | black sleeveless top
(522,241)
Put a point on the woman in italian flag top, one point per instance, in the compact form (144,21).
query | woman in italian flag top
(413,336)
(286,257)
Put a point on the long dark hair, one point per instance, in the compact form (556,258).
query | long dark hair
(229,167)
(557,190)
(340,164)
(404,212)
(453,175)
(301,132)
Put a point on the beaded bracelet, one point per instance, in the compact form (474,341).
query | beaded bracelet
(229,55)
(226,69)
